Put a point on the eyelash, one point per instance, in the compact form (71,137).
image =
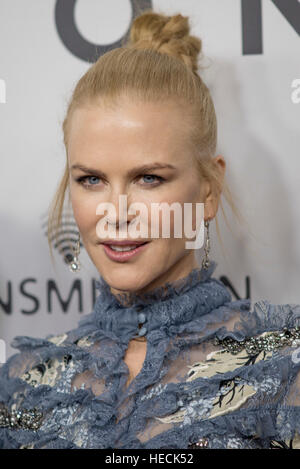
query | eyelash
(81,180)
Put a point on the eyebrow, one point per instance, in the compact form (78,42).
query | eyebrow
(132,172)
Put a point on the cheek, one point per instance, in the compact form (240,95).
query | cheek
(189,194)
(84,212)
(183,193)
(192,196)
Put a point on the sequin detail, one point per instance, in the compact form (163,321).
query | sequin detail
(21,418)
(202,443)
(267,342)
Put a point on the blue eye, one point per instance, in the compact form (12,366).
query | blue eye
(82,180)
(92,177)
(158,178)
(90,181)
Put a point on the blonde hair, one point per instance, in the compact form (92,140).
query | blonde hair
(159,63)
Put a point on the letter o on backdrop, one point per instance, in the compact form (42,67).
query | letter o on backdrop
(75,42)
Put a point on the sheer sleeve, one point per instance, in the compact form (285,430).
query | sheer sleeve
(14,413)
(30,390)
(49,392)
(288,410)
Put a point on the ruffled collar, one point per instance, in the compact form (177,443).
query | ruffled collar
(160,312)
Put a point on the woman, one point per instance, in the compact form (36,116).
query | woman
(166,359)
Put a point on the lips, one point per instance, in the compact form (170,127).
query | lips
(124,256)
(124,242)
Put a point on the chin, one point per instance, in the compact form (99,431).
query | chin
(131,282)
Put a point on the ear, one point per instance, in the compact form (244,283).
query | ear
(212,199)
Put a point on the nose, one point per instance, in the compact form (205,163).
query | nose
(119,203)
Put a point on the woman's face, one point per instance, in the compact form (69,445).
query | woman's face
(113,143)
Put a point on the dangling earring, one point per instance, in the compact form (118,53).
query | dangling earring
(75,264)
(206,261)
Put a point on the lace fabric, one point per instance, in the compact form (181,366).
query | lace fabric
(160,293)
(72,391)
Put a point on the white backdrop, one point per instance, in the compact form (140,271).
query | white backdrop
(250,77)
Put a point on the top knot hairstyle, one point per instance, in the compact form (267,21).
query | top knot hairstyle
(158,63)
(168,35)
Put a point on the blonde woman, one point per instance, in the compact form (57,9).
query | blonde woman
(166,359)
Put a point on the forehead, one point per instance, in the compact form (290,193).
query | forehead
(128,129)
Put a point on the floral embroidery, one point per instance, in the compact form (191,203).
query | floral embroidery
(57,339)
(47,372)
(288,443)
(155,391)
(84,342)
(277,444)
(230,396)
(222,361)
(232,393)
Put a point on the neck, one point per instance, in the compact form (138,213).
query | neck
(174,273)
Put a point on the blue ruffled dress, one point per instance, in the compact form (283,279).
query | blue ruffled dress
(216,374)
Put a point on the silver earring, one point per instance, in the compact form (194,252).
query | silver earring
(75,264)
(206,261)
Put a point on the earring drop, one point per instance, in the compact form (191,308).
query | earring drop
(206,261)
(75,264)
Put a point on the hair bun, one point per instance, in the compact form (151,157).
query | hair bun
(166,34)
